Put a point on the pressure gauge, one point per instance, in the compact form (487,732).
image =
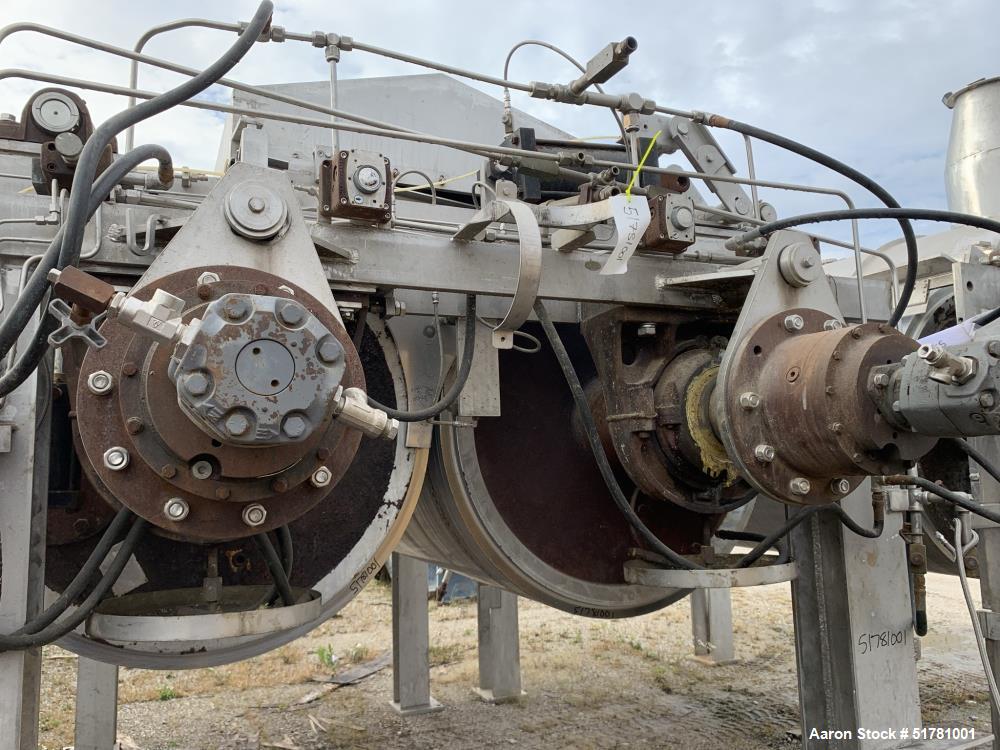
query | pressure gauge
(367,179)
(55,112)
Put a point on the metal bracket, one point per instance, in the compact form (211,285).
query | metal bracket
(69,329)
(152,223)
(529,272)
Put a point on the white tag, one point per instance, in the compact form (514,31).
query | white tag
(631,218)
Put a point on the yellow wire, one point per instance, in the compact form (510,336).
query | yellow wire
(436,183)
(642,161)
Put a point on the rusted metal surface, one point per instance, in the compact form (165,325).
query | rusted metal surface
(167,447)
(80,288)
(814,408)
(663,442)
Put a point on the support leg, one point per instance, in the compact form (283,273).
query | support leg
(23,500)
(411,689)
(853,630)
(96,705)
(712,625)
(499,646)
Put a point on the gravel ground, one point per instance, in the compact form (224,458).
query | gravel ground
(590,684)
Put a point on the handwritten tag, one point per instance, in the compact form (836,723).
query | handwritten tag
(631,218)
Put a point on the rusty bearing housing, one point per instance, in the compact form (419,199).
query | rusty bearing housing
(656,407)
(803,392)
(142,415)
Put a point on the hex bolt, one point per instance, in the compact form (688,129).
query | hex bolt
(764,453)
(116,458)
(749,400)
(236,309)
(321,477)
(647,329)
(840,486)
(291,314)
(832,325)
(237,424)
(100,383)
(279,485)
(201,469)
(254,514)
(329,350)
(799,486)
(208,278)
(134,425)
(294,426)
(256,204)
(794,323)
(176,509)
(993,348)
(880,379)
(987,400)
(196,384)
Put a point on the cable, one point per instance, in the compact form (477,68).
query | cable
(575,63)
(878,509)
(58,629)
(83,576)
(536,344)
(468,352)
(976,627)
(956,498)
(35,288)
(278,575)
(413,188)
(590,430)
(912,256)
(976,456)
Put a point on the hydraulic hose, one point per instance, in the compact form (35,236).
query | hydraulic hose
(33,294)
(850,173)
(468,352)
(58,629)
(83,576)
(976,456)
(278,574)
(955,498)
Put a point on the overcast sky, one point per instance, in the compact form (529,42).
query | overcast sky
(861,80)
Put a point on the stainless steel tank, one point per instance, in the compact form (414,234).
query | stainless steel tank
(972,170)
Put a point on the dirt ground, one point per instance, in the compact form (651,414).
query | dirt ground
(589,683)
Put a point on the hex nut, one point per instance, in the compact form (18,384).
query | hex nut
(749,400)
(329,350)
(208,277)
(880,380)
(832,325)
(236,309)
(764,453)
(237,424)
(294,426)
(100,383)
(196,384)
(799,486)
(116,458)
(176,509)
(291,314)
(993,348)
(794,323)
(321,477)
(840,486)
(254,514)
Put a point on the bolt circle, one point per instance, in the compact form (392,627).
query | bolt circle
(254,514)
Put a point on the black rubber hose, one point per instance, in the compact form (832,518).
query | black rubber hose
(278,574)
(83,577)
(58,629)
(952,497)
(912,256)
(468,353)
(927,214)
(287,560)
(590,430)
(976,456)
(757,552)
(877,527)
(24,307)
